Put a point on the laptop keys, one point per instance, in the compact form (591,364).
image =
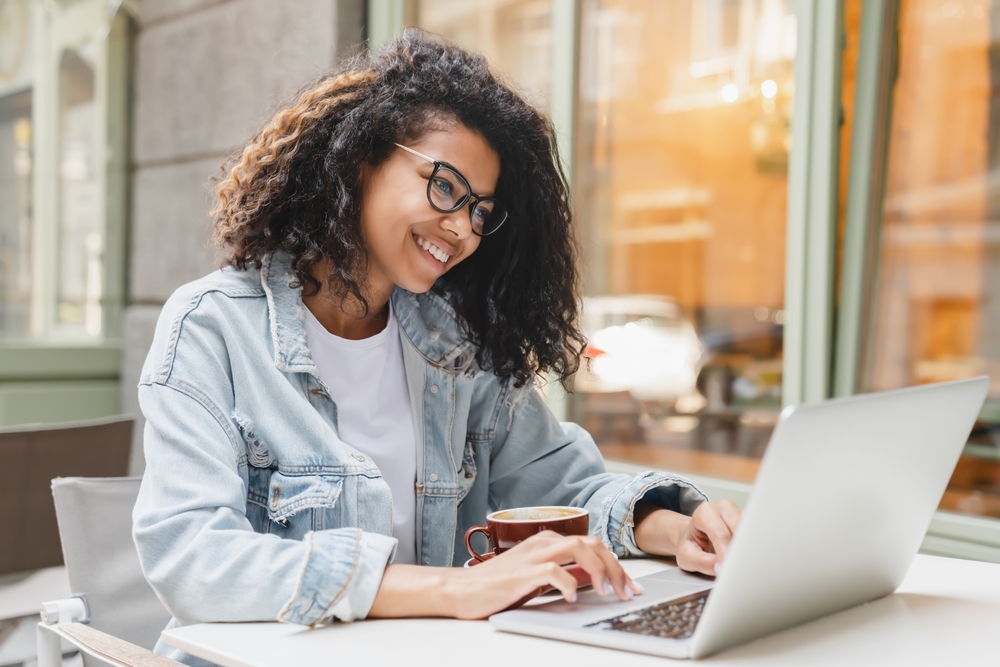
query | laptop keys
(674,619)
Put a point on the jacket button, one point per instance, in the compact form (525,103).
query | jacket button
(433,477)
(359,457)
(434,389)
(469,475)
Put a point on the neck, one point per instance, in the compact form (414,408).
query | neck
(345,317)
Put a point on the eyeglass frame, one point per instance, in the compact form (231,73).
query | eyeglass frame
(470,195)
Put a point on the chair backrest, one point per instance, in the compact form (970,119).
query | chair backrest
(33,455)
(95,524)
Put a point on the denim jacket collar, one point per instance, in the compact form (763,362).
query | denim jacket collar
(428,320)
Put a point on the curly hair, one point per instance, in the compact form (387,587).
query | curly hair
(296,187)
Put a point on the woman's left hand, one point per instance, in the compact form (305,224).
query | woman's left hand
(700,542)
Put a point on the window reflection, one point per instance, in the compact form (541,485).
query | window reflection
(680,184)
(515,35)
(78,298)
(15,215)
(937,309)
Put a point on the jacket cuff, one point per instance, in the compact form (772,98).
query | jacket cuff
(664,490)
(340,577)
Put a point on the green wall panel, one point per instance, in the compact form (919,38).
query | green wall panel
(57,401)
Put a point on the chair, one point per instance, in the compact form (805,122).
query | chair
(124,615)
(31,560)
(31,457)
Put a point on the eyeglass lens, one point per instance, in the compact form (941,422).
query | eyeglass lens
(448,191)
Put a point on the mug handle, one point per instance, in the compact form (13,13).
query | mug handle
(468,541)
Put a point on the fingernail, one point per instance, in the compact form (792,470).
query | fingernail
(571,597)
(718,568)
(628,593)
(607,587)
(635,587)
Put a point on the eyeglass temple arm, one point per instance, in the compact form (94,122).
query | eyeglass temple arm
(419,155)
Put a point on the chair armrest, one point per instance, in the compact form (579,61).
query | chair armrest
(106,647)
(61,619)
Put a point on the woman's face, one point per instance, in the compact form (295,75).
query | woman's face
(410,244)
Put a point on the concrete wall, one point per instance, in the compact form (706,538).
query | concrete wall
(207,75)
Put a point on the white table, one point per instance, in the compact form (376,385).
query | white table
(946,612)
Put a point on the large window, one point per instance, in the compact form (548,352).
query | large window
(683,136)
(718,285)
(936,314)
(63,119)
(16,69)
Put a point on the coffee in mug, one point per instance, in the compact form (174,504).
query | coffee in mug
(506,528)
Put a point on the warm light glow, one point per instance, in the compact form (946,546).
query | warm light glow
(730,92)
(769,89)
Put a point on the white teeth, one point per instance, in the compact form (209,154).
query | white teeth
(436,252)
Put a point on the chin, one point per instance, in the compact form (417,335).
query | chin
(416,285)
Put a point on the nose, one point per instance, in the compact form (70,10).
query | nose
(459,223)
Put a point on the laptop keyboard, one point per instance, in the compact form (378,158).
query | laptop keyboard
(674,619)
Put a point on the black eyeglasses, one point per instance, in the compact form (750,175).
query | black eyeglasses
(448,191)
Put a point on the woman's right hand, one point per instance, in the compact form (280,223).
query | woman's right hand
(495,584)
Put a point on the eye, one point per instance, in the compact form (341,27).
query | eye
(443,186)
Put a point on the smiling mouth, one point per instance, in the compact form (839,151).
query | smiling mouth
(432,250)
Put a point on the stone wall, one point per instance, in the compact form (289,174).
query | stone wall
(207,75)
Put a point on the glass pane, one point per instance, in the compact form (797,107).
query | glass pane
(516,37)
(81,232)
(937,306)
(15,216)
(680,184)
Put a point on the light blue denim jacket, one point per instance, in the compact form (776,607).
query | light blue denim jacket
(252,508)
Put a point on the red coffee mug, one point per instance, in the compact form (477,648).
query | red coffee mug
(506,528)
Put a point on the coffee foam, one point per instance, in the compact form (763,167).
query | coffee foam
(537,513)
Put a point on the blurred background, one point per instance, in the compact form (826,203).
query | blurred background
(777,201)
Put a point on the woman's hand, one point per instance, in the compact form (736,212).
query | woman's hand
(699,542)
(493,585)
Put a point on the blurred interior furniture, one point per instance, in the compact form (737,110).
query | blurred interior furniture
(124,615)
(31,559)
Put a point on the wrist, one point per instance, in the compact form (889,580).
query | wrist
(659,531)
(411,590)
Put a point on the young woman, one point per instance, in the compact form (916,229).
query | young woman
(328,414)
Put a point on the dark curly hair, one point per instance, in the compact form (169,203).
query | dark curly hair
(296,187)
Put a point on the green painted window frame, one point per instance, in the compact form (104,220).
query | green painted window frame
(80,376)
(821,354)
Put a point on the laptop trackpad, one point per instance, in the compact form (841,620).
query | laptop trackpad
(657,588)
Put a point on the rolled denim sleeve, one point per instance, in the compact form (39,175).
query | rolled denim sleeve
(664,490)
(198,549)
(348,586)
(538,460)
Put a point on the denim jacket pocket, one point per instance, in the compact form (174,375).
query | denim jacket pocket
(297,504)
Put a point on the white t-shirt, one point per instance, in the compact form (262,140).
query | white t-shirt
(367,381)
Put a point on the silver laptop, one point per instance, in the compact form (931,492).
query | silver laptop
(844,496)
